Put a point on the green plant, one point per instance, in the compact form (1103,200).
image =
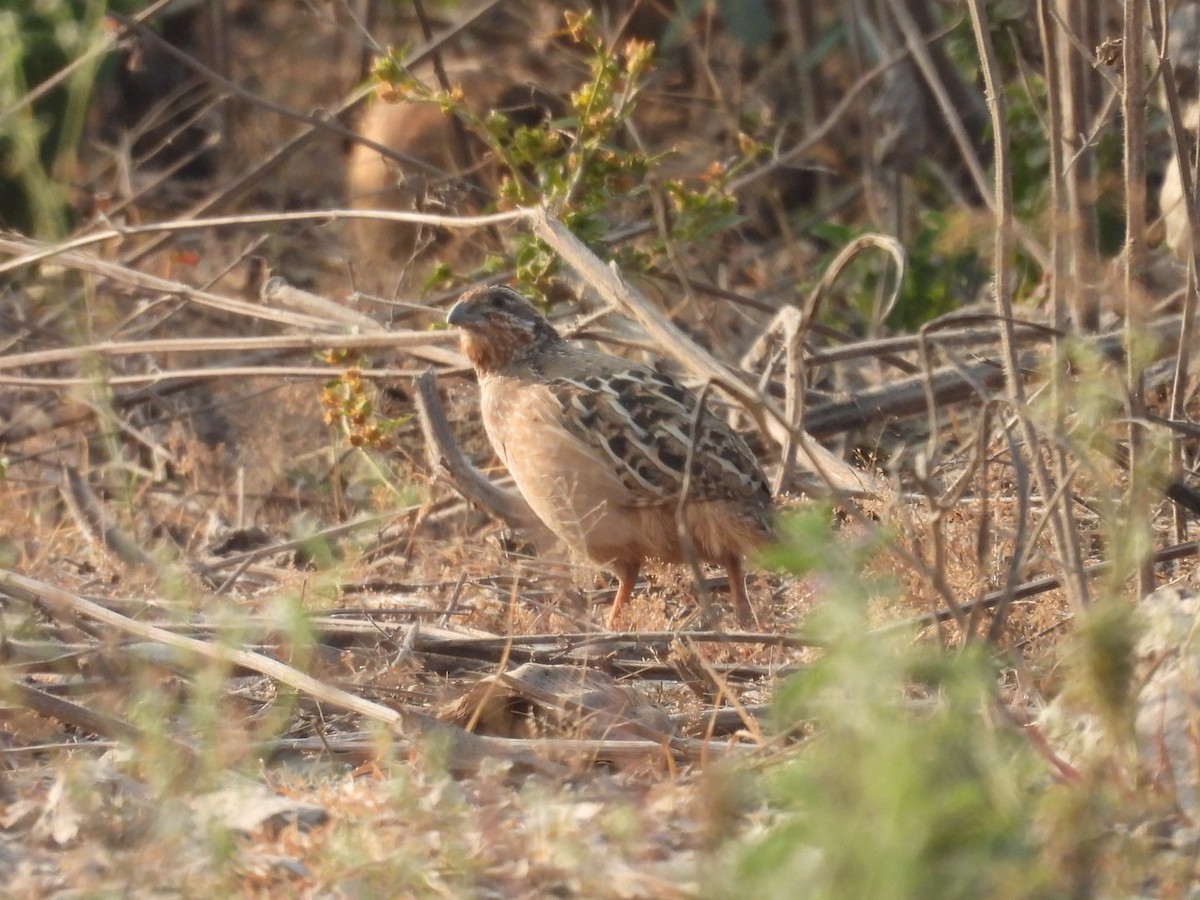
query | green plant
(906,790)
(915,782)
(39,139)
(579,164)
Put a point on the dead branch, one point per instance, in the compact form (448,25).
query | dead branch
(444,456)
(1033,588)
(465,747)
(97,525)
(277,292)
(905,397)
(78,716)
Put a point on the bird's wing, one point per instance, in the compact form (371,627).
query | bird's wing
(641,422)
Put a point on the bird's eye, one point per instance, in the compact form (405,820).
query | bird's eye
(497,301)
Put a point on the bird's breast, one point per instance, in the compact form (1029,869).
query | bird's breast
(576,491)
(568,484)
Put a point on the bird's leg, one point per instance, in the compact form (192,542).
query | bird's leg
(627,573)
(742,609)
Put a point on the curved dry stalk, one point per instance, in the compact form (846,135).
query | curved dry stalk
(445,457)
(97,525)
(793,326)
(89,720)
(788,324)
(847,255)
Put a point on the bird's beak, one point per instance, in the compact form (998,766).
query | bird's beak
(462,315)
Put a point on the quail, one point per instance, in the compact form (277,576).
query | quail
(598,447)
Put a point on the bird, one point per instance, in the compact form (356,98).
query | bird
(598,446)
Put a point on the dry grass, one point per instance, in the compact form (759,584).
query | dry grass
(232,512)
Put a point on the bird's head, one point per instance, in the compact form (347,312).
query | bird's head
(499,327)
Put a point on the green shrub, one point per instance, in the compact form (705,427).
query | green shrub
(39,140)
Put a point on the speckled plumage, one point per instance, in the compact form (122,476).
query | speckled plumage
(598,445)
